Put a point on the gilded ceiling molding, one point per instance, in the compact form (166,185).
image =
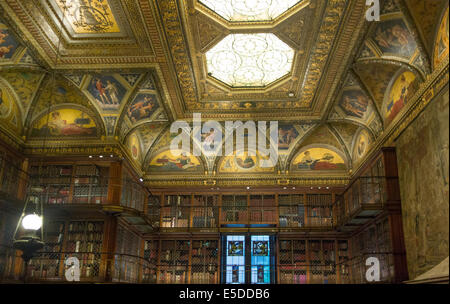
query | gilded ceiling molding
(30,50)
(416,35)
(354,22)
(347,153)
(249,182)
(434,83)
(169,14)
(39,22)
(11,139)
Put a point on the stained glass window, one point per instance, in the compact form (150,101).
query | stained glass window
(249,60)
(249,10)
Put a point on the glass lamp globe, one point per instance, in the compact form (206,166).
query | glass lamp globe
(32,222)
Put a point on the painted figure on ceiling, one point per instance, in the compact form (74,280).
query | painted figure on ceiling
(141,109)
(58,126)
(182,162)
(286,136)
(101,91)
(354,104)
(112,92)
(4,49)
(322,161)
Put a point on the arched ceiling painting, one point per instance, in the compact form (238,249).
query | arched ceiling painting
(121,81)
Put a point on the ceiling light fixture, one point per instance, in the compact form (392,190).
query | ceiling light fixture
(250,60)
(249,10)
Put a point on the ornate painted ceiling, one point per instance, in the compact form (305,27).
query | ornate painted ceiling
(100,76)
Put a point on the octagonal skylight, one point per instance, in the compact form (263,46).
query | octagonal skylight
(249,60)
(249,10)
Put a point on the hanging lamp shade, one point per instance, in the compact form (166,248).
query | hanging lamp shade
(29,233)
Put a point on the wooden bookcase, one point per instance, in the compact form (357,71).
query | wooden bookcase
(84,240)
(234,209)
(151,254)
(175,211)
(173,263)
(205,211)
(204,268)
(291,210)
(292,262)
(90,184)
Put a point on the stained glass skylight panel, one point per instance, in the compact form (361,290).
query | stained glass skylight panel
(249,10)
(250,60)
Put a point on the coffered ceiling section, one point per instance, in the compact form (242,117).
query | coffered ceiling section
(258,57)
(91,31)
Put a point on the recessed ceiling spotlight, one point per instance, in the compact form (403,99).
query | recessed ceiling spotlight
(90,156)
(328,187)
(291,94)
(141,179)
(284,188)
(319,188)
(112,155)
(312,188)
(248,188)
(293,188)
(101,156)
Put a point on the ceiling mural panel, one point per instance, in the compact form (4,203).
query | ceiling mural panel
(318,159)
(65,123)
(244,163)
(392,37)
(376,78)
(107,91)
(403,87)
(60,91)
(290,134)
(9,112)
(143,106)
(426,15)
(25,85)
(89,16)
(166,162)
(361,144)
(134,146)
(9,45)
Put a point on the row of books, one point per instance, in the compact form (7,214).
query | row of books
(208,211)
(51,170)
(319,199)
(292,278)
(203,278)
(203,222)
(291,221)
(295,199)
(173,222)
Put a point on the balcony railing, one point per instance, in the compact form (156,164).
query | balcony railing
(362,201)
(51,267)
